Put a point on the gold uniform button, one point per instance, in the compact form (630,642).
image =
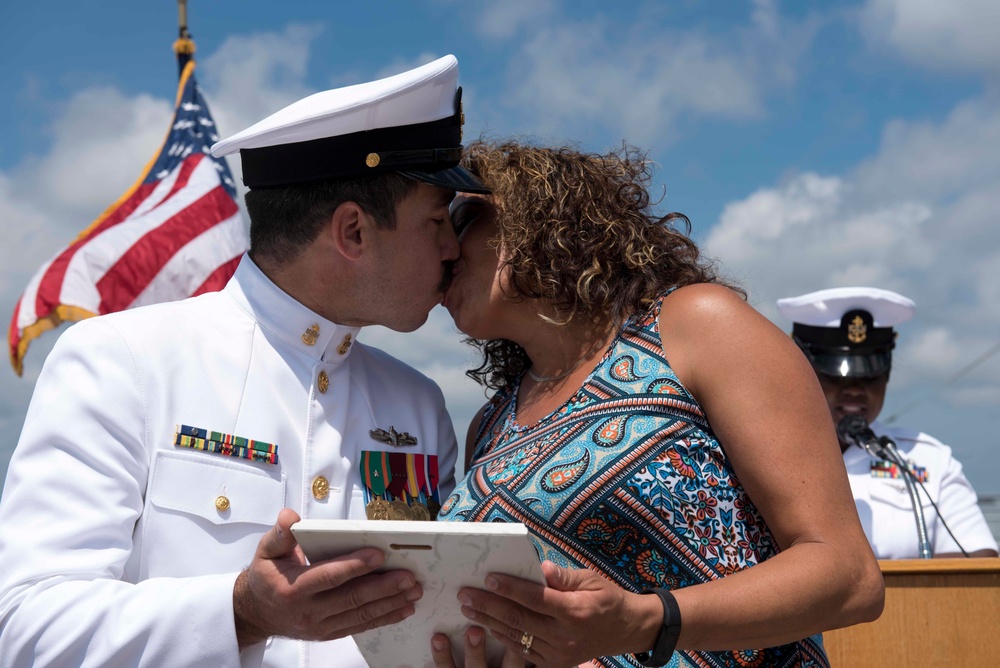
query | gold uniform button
(324,382)
(221,504)
(321,487)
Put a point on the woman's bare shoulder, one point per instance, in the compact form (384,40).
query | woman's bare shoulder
(708,330)
(703,303)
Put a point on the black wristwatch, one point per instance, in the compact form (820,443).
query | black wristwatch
(666,639)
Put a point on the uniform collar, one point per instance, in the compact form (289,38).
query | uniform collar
(281,315)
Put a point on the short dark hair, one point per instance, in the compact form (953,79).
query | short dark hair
(283,221)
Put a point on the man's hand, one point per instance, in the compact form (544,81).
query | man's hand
(280,595)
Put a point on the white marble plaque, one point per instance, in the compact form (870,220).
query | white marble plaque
(444,557)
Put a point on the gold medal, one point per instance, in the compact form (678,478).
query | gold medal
(398,510)
(377,509)
(420,512)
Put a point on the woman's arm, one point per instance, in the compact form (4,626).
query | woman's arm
(764,403)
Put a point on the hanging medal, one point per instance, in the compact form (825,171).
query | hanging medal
(376,474)
(414,486)
(398,508)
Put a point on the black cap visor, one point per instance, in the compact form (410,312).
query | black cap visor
(455,178)
(843,365)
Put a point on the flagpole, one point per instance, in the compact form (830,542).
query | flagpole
(184,47)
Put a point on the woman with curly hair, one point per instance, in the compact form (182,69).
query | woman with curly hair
(668,448)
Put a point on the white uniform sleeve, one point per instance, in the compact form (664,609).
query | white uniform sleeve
(74,491)
(959,506)
(447,451)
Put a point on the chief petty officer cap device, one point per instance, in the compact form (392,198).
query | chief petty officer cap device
(847,332)
(410,123)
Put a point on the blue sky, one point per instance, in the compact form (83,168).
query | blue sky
(812,144)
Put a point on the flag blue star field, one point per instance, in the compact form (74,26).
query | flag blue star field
(175,233)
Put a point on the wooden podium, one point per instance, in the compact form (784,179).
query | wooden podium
(938,612)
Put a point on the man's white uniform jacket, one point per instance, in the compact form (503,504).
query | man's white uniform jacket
(886,510)
(120,548)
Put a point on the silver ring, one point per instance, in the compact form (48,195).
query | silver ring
(526,640)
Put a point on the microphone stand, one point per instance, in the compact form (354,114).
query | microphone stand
(890,452)
(853,430)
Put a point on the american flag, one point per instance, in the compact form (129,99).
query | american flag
(176,233)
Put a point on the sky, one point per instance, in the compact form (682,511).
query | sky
(812,145)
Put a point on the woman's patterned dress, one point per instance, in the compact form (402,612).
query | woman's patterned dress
(626,479)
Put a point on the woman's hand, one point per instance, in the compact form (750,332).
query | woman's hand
(577,617)
(475,652)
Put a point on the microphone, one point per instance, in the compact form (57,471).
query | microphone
(854,430)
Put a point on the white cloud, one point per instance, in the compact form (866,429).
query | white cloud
(918,217)
(769,214)
(252,76)
(937,349)
(980,396)
(101,141)
(502,20)
(766,18)
(573,76)
(26,233)
(937,34)
(927,159)
(637,82)
(986,276)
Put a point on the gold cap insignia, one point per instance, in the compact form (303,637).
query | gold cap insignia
(857,330)
(310,336)
(393,437)
(372,160)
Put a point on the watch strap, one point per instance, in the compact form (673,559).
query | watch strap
(670,630)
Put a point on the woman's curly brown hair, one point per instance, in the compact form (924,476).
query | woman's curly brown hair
(577,231)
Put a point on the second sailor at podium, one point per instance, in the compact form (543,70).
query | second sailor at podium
(848,335)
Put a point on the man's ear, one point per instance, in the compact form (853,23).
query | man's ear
(351,228)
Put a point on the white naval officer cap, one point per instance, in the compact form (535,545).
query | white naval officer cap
(410,123)
(847,332)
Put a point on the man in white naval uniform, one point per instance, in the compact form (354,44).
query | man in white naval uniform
(168,449)
(848,336)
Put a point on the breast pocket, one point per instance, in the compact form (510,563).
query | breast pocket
(206,513)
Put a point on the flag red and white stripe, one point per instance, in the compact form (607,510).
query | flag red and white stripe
(176,233)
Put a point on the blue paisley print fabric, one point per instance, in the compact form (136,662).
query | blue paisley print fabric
(626,479)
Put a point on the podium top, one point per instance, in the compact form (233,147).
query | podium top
(941,566)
